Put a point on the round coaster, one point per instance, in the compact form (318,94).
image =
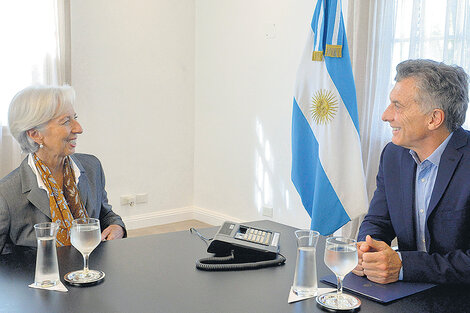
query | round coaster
(77,278)
(329,301)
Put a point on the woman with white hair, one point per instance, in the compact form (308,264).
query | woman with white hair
(53,183)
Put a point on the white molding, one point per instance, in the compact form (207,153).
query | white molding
(177,215)
(213,217)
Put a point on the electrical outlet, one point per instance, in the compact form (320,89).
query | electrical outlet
(267,211)
(128,199)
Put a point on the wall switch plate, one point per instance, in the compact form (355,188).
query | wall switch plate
(267,211)
(142,198)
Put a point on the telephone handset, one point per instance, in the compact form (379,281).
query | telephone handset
(238,247)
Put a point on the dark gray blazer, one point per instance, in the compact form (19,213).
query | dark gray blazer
(23,204)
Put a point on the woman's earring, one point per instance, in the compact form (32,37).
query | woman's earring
(41,146)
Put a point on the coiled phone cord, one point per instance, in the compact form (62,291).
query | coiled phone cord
(220,263)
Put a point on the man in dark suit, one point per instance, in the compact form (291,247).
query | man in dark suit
(423,184)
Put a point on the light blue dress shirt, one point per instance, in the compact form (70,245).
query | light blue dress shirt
(426,173)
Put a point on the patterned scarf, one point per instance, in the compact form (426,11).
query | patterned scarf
(65,205)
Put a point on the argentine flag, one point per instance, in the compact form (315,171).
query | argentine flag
(326,153)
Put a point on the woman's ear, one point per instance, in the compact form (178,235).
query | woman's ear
(35,135)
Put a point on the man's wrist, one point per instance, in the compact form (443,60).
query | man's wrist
(400,275)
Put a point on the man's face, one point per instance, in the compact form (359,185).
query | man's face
(409,124)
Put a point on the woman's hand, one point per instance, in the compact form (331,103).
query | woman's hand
(112,232)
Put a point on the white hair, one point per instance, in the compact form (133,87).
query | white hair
(33,107)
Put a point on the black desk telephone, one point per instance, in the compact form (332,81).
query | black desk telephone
(240,247)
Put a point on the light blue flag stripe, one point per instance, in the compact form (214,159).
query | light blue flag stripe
(341,74)
(308,175)
(336,28)
(317,26)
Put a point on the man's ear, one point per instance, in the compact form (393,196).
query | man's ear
(436,119)
(35,135)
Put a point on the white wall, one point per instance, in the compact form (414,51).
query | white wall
(133,72)
(188,101)
(244,95)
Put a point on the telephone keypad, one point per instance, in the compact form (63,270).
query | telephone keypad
(254,235)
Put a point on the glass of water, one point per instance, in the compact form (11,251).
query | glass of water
(85,236)
(340,257)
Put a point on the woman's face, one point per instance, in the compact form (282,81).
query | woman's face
(60,134)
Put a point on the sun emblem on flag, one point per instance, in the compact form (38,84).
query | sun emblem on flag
(324,106)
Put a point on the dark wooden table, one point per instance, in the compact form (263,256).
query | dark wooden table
(157,274)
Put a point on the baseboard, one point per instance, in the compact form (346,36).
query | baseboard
(177,215)
(213,217)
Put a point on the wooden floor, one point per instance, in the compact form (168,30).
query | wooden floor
(167,228)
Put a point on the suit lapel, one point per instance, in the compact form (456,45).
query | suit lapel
(408,172)
(38,197)
(449,160)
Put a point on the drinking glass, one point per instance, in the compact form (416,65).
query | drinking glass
(85,236)
(341,258)
(47,267)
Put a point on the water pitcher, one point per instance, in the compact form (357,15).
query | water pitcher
(47,268)
(305,277)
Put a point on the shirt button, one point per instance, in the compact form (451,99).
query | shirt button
(421,211)
(424,241)
(423,180)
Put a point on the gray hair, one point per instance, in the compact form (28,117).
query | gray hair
(440,86)
(33,107)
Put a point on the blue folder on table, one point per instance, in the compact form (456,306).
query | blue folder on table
(378,292)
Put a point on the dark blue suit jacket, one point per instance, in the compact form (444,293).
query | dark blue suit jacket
(447,232)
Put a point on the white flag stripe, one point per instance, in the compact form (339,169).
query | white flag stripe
(346,182)
(334,40)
